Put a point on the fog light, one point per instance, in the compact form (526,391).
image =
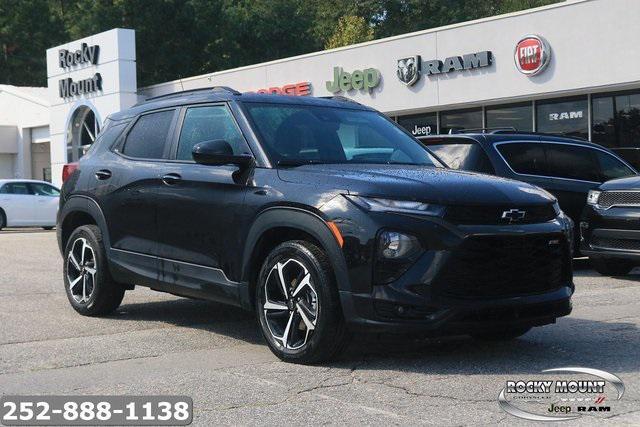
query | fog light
(395,245)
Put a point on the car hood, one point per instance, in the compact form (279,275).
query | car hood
(628,183)
(429,184)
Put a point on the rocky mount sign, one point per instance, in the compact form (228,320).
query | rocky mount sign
(68,60)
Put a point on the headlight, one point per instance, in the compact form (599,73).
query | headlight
(593,197)
(375,204)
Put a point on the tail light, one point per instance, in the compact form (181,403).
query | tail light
(68,169)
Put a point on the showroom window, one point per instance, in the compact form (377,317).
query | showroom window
(616,124)
(516,116)
(420,124)
(460,119)
(567,116)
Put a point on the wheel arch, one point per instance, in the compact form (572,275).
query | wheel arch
(79,211)
(277,225)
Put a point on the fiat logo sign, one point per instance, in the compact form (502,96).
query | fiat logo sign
(532,55)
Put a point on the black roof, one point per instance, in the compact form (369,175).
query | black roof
(504,135)
(225,94)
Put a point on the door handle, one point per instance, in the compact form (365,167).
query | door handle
(171,179)
(103,174)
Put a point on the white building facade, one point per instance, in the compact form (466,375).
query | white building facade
(570,68)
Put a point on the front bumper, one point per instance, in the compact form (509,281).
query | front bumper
(470,278)
(610,233)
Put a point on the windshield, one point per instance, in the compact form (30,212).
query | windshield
(465,155)
(300,134)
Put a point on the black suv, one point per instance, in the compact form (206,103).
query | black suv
(322,215)
(566,167)
(610,229)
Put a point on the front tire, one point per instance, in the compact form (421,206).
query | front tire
(88,283)
(3,220)
(612,267)
(298,306)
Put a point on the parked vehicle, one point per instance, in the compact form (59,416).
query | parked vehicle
(610,227)
(322,215)
(566,167)
(28,203)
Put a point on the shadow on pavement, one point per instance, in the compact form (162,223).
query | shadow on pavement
(572,341)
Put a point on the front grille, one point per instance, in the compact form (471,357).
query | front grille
(608,199)
(503,266)
(620,244)
(492,215)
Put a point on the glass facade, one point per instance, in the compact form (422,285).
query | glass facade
(516,116)
(616,124)
(420,124)
(566,116)
(615,120)
(460,119)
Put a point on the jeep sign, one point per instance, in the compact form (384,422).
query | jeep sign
(366,80)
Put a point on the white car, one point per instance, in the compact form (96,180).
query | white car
(28,203)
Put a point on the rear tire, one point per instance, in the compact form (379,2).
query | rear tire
(3,220)
(88,283)
(612,267)
(501,334)
(297,304)
(47,228)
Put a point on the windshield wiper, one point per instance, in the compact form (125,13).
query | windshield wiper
(298,162)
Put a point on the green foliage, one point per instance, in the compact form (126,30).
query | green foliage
(181,38)
(350,30)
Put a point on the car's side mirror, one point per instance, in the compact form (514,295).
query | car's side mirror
(219,152)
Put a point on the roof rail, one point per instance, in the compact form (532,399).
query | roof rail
(202,89)
(560,135)
(485,130)
(340,98)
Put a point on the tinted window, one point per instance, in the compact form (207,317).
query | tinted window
(563,117)
(516,116)
(610,167)
(525,158)
(465,155)
(16,188)
(206,124)
(148,137)
(44,189)
(571,161)
(302,133)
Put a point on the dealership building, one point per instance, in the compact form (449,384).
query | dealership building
(570,68)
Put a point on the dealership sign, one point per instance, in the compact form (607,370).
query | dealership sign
(366,80)
(86,55)
(409,69)
(296,89)
(532,55)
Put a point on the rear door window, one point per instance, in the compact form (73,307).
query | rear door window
(148,137)
(16,188)
(461,154)
(525,157)
(572,162)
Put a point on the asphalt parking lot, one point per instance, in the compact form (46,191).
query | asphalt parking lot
(161,344)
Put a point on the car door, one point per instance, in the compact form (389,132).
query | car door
(200,207)
(46,203)
(18,203)
(128,180)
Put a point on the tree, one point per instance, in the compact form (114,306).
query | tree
(350,30)
(27,29)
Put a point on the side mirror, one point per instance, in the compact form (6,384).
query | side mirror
(219,152)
